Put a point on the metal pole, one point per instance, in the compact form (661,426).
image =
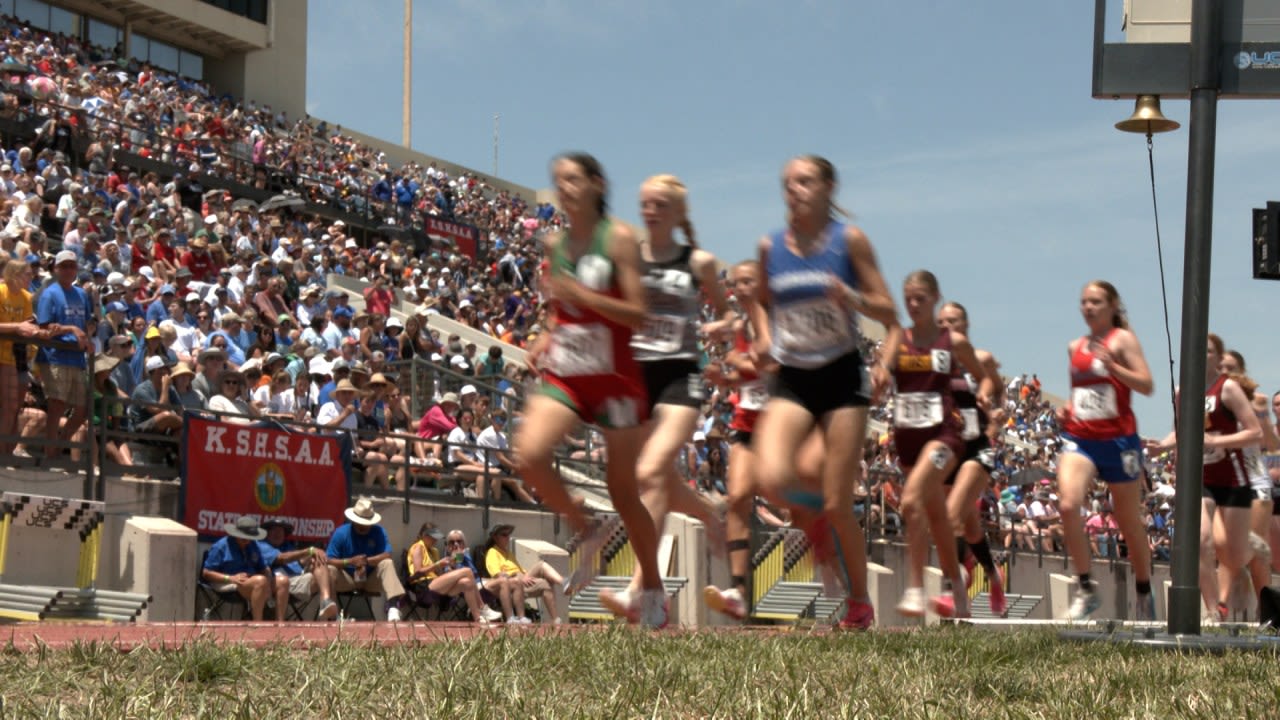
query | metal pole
(1184,595)
(408,71)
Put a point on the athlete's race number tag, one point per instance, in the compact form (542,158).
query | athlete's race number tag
(1213,455)
(812,325)
(1094,402)
(660,334)
(753,395)
(581,350)
(971,427)
(917,410)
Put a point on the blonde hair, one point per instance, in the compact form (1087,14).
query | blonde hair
(680,194)
(12,269)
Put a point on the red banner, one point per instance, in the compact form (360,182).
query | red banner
(265,471)
(461,235)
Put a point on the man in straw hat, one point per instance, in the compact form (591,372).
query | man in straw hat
(300,572)
(235,564)
(361,552)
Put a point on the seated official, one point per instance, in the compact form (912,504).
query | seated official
(361,553)
(235,564)
(300,572)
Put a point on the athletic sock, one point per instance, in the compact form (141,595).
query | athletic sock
(982,552)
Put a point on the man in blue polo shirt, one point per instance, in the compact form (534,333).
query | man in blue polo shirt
(361,552)
(235,563)
(63,310)
(292,578)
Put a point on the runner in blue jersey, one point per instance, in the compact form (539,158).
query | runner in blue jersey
(818,275)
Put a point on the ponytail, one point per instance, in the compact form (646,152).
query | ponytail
(679,194)
(687,226)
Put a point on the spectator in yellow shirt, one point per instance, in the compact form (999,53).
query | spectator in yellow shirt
(543,580)
(16,317)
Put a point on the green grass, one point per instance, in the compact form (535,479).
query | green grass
(944,673)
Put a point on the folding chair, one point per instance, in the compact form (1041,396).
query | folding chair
(214,600)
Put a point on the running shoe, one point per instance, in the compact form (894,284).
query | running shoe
(948,606)
(912,603)
(588,559)
(393,614)
(621,603)
(858,615)
(653,611)
(490,614)
(999,603)
(328,610)
(725,602)
(1084,602)
(1145,608)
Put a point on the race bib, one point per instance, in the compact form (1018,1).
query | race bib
(753,395)
(917,410)
(812,325)
(1094,402)
(581,350)
(660,334)
(972,429)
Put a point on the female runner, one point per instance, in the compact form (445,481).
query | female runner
(1226,498)
(588,372)
(1100,441)
(675,280)
(749,397)
(927,431)
(1260,512)
(973,474)
(819,273)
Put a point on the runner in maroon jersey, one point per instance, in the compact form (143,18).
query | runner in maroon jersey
(1226,498)
(927,433)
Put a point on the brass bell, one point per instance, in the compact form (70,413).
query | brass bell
(1147,118)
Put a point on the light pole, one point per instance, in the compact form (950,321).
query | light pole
(407,92)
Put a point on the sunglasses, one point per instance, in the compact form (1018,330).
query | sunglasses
(233,383)
(454,542)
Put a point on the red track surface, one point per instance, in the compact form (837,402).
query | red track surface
(57,635)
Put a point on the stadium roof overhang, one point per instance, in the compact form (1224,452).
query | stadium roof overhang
(189,24)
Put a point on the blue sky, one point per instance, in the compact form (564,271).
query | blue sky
(964,133)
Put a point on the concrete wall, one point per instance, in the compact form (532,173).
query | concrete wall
(275,75)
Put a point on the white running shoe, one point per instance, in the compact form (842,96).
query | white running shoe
(653,609)
(621,603)
(393,614)
(726,602)
(1084,602)
(490,614)
(913,602)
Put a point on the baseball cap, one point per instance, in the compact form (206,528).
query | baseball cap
(152,332)
(167,290)
(155,362)
(699,436)
(64,256)
(211,219)
(343,311)
(193,297)
(116,306)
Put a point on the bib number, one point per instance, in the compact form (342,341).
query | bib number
(918,410)
(660,334)
(581,350)
(1094,402)
(753,396)
(812,326)
(971,429)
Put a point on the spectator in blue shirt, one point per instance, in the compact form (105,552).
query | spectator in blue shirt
(63,310)
(235,564)
(361,552)
(300,572)
(158,310)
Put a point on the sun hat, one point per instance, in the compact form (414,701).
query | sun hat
(362,513)
(246,528)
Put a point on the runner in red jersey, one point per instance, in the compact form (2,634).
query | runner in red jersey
(588,372)
(750,395)
(1226,498)
(926,431)
(1100,441)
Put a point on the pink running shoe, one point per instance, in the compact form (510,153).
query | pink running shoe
(858,615)
(945,605)
(999,603)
